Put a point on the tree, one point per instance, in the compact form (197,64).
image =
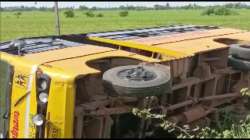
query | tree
(69,14)
(89,14)
(158,7)
(82,7)
(167,5)
(130,7)
(18,14)
(99,15)
(219,10)
(122,7)
(123,13)
(94,8)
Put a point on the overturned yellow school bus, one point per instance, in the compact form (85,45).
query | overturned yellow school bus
(85,85)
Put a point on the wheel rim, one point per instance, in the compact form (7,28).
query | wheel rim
(137,74)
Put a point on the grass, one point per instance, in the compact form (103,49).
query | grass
(37,23)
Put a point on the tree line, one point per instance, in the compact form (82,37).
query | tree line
(127,7)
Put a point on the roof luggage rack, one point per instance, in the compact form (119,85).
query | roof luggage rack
(35,45)
(150,32)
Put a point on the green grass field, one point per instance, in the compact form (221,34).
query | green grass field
(36,23)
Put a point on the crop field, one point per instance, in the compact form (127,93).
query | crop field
(39,23)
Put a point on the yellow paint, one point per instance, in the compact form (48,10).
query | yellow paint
(65,65)
(60,110)
(20,68)
(180,45)
(204,44)
(78,66)
(131,44)
(61,99)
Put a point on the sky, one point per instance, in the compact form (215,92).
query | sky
(107,4)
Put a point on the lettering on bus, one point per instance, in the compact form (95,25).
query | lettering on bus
(21,80)
(15,128)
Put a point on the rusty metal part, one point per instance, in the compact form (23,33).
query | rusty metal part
(126,109)
(179,105)
(195,113)
(189,102)
(216,97)
(109,111)
(193,81)
(97,104)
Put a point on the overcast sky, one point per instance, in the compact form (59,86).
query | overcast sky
(106,4)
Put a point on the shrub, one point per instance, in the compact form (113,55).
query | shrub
(208,11)
(100,15)
(236,130)
(123,13)
(18,14)
(227,125)
(69,13)
(230,128)
(221,11)
(89,14)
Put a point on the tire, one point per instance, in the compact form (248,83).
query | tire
(240,51)
(158,82)
(238,64)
